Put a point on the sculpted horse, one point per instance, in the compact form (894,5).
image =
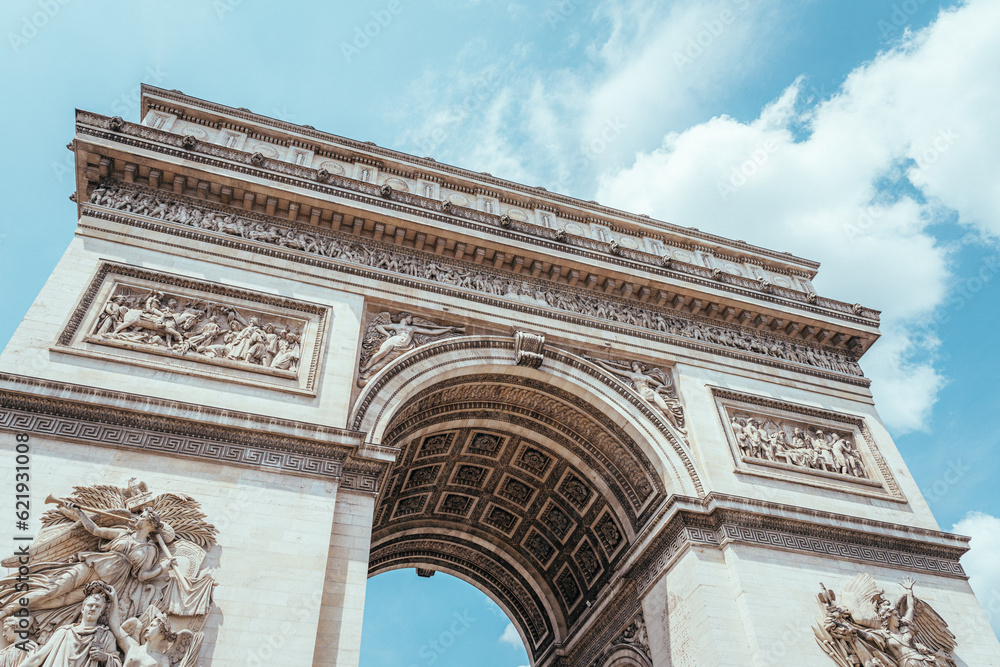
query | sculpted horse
(169,325)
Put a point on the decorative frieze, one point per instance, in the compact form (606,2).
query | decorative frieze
(190,326)
(472,278)
(694,256)
(148,430)
(804,445)
(815,535)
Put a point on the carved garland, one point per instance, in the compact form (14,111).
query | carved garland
(688,331)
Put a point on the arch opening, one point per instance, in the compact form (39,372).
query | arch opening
(441,620)
(517,485)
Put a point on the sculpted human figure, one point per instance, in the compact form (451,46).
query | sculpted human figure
(113,314)
(897,636)
(862,627)
(245,339)
(128,558)
(399,337)
(13,654)
(88,643)
(648,386)
(288,354)
(151,648)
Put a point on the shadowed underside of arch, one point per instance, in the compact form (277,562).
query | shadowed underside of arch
(518,486)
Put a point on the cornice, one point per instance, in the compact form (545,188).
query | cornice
(570,308)
(188,103)
(719,519)
(168,143)
(144,423)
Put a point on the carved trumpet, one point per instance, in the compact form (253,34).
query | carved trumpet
(52,500)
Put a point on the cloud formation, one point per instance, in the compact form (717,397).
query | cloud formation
(859,182)
(511,637)
(981,563)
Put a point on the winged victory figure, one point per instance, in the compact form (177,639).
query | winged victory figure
(864,629)
(148,549)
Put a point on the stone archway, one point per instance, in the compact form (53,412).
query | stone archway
(530,484)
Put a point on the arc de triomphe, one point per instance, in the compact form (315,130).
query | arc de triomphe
(321,360)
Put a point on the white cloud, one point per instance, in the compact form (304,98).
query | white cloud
(857,182)
(982,562)
(511,637)
(523,120)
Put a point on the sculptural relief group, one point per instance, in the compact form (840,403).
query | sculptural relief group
(492,283)
(114,578)
(799,445)
(864,629)
(181,325)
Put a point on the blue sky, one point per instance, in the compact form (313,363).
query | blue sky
(858,133)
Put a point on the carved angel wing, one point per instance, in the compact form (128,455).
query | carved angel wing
(61,537)
(859,596)
(666,382)
(99,497)
(422,338)
(184,515)
(185,649)
(837,635)
(930,629)
(373,338)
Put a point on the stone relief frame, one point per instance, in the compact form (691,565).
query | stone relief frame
(308,321)
(877,481)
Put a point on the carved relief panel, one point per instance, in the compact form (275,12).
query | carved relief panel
(804,445)
(193,327)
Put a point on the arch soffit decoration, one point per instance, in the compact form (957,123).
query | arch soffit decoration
(393,409)
(418,370)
